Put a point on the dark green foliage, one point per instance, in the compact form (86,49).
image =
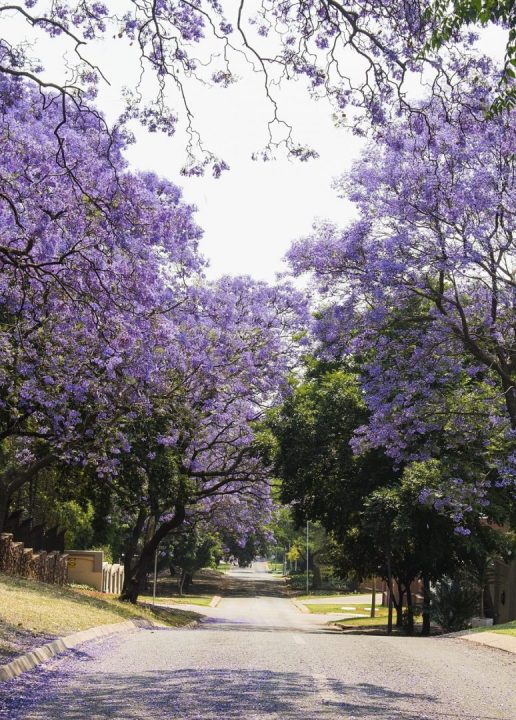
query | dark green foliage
(454,602)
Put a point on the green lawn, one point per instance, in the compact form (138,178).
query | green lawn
(505,629)
(358,609)
(183,600)
(323,594)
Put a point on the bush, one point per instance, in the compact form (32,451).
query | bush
(454,602)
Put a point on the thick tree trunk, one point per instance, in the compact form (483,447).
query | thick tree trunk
(426,605)
(132,543)
(133,583)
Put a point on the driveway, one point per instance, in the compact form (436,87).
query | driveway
(258,657)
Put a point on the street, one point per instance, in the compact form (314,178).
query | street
(257,656)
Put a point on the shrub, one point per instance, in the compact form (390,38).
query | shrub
(454,602)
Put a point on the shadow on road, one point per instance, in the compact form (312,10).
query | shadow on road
(226,695)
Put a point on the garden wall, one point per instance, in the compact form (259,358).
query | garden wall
(19,561)
(87,567)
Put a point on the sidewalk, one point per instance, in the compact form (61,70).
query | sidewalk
(492,639)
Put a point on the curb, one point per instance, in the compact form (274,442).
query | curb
(215,601)
(42,654)
(299,605)
(498,641)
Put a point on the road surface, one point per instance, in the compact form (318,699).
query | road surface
(257,657)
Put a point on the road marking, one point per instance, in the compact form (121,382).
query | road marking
(298,640)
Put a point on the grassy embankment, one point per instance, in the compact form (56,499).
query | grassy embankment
(381,617)
(31,611)
(505,629)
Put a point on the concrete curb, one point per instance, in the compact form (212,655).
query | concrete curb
(42,654)
(499,641)
(215,601)
(299,605)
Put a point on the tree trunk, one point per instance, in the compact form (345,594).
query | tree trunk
(410,610)
(132,543)
(399,604)
(389,584)
(180,582)
(316,576)
(426,605)
(135,579)
(373,598)
(509,391)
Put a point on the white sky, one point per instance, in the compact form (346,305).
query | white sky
(254,211)
(251,213)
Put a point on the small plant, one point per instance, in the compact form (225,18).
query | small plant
(454,602)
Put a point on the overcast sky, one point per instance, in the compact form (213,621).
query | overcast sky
(253,212)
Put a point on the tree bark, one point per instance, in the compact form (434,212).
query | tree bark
(410,610)
(135,579)
(132,543)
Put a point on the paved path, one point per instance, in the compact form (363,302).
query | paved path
(257,657)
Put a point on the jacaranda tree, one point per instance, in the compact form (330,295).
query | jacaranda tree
(359,55)
(422,287)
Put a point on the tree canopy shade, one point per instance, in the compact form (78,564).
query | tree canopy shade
(373,510)
(360,55)
(311,447)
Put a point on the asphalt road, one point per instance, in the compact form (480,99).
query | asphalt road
(258,657)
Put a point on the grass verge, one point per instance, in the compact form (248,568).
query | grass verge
(323,594)
(323,609)
(504,629)
(32,613)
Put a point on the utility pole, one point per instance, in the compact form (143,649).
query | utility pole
(307,564)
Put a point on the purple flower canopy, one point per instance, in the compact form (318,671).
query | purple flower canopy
(421,287)
(108,321)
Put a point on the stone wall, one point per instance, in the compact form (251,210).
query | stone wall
(19,561)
